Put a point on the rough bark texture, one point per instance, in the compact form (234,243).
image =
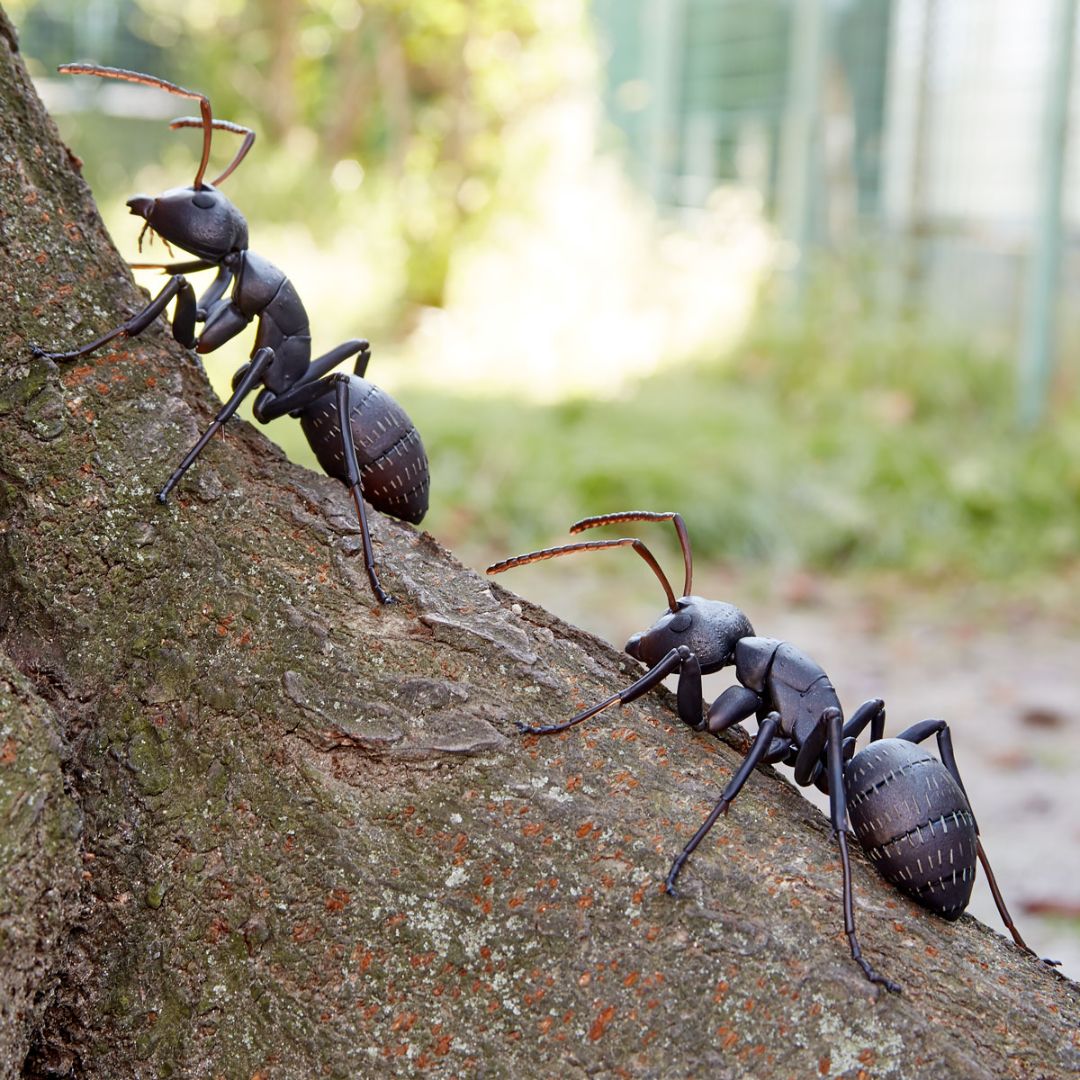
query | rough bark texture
(254,825)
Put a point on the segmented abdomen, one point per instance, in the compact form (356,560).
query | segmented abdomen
(914,822)
(393,465)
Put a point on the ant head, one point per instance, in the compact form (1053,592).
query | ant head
(708,628)
(199,220)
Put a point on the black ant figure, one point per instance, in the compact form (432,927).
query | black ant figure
(909,810)
(359,434)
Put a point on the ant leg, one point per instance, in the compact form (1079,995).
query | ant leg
(734,704)
(312,385)
(268,406)
(222,322)
(192,266)
(762,741)
(688,693)
(326,363)
(999,902)
(214,292)
(360,367)
(922,731)
(652,677)
(352,471)
(778,751)
(838,816)
(917,733)
(251,378)
(183,322)
(813,748)
(870,712)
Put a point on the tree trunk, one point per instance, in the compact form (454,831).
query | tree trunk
(255,825)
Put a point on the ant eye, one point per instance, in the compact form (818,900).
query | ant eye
(202,201)
(680,622)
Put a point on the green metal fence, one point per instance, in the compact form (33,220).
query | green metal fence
(932,133)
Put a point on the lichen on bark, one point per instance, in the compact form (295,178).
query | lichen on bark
(312,841)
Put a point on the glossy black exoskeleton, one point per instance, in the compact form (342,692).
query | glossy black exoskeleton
(359,434)
(908,809)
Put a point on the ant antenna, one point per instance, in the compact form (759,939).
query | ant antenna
(648,515)
(590,545)
(221,125)
(207,122)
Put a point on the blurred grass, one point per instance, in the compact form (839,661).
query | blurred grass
(843,441)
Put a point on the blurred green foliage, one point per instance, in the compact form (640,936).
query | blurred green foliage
(394,108)
(842,441)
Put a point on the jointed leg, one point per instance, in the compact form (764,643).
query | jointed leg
(183,321)
(838,815)
(216,290)
(312,386)
(734,704)
(326,363)
(653,677)
(348,449)
(870,712)
(252,377)
(268,406)
(762,741)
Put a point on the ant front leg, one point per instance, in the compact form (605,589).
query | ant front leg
(672,661)
(736,703)
(214,292)
(739,703)
(183,324)
(917,733)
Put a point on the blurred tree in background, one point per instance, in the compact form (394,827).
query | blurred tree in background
(408,99)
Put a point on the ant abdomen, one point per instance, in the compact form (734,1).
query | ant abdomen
(389,450)
(914,822)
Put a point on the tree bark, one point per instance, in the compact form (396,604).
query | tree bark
(254,825)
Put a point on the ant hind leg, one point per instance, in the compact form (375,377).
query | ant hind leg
(838,813)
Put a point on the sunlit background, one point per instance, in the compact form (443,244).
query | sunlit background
(801,269)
